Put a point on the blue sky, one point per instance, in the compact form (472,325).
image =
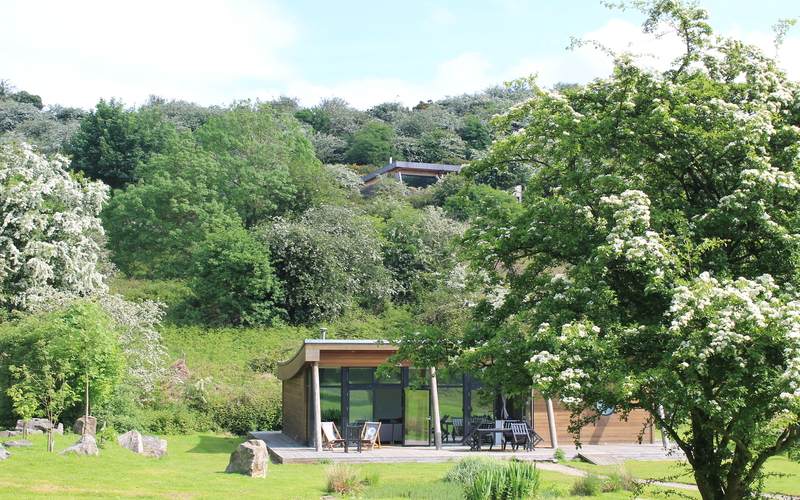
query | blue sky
(214,52)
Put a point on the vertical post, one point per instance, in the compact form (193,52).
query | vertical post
(317,410)
(551,423)
(85,408)
(437,423)
(664,438)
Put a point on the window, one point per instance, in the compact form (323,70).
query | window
(330,376)
(360,405)
(331,404)
(388,375)
(360,376)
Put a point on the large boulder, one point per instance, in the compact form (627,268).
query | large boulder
(5,434)
(4,453)
(91,426)
(131,440)
(86,445)
(35,424)
(19,443)
(154,446)
(250,459)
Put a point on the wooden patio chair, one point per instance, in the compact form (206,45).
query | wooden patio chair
(330,436)
(534,439)
(371,435)
(519,435)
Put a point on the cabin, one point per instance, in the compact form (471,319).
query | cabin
(411,173)
(340,381)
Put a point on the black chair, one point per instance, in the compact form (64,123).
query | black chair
(519,435)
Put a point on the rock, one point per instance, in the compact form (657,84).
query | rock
(5,434)
(4,454)
(250,459)
(154,446)
(19,443)
(59,429)
(91,427)
(86,445)
(132,440)
(35,425)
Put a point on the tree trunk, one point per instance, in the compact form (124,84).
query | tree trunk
(86,406)
(50,444)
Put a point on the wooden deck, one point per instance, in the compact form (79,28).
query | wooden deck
(283,449)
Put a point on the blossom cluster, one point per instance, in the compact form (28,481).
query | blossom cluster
(49,228)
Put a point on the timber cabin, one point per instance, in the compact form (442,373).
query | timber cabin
(340,377)
(411,173)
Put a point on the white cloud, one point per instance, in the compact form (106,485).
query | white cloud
(78,51)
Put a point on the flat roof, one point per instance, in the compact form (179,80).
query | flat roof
(311,348)
(430,167)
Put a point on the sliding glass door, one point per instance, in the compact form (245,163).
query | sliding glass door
(416,417)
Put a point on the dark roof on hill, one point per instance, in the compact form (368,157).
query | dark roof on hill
(432,167)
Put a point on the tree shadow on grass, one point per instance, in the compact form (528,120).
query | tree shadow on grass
(216,444)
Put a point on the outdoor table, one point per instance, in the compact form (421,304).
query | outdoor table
(477,436)
(352,433)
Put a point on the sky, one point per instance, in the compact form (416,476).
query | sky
(214,52)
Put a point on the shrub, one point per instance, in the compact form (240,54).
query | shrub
(173,419)
(587,486)
(491,480)
(344,480)
(246,412)
(559,455)
(620,480)
(466,470)
(107,435)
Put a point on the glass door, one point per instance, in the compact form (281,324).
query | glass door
(416,417)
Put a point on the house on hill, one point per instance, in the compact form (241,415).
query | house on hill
(411,173)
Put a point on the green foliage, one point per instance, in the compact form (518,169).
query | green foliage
(48,358)
(327,260)
(154,227)
(246,412)
(620,480)
(587,486)
(344,479)
(475,133)
(233,281)
(113,141)
(418,249)
(491,480)
(559,455)
(169,419)
(373,144)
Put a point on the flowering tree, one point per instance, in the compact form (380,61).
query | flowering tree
(49,229)
(654,261)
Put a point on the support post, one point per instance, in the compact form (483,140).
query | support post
(551,423)
(437,423)
(664,438)
(317,410)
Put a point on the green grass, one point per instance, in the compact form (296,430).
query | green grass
(194,468)
(784,474)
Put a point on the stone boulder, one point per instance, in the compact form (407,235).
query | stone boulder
(5,434)
(131,440)
(154,446)
(4,454)
(19,443)
(91,426)
(250,459)
(86,445)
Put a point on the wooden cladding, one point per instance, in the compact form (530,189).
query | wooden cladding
(606,430)
(360,358)
(295,407)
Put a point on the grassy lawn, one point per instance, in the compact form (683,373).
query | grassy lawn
(194,469)
(785,478)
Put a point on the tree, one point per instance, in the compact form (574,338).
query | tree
(155,226)
(50,237)
(113,141)
(372,144)
(327,260)
(233,281)
(655,258)
(265,164)
(57,357)
(418,250)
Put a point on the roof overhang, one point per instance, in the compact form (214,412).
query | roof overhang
(318,350)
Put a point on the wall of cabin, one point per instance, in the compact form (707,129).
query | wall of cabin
(295,407)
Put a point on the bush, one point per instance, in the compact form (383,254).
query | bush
(246,412)
(620,480)
(491,480)
(559,455)
(466,470)
(173,419)
(587,486)
(107,435)
(344,480)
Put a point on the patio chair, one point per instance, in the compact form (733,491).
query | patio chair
(371,435)
(534,439)
(330,436)
(519,435)
(458,428)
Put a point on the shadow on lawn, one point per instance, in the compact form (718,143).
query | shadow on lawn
(215,444)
